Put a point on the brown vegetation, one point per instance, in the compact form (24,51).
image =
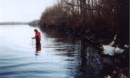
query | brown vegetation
(92,21)
(104,18)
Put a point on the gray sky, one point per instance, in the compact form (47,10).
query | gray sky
(23,10)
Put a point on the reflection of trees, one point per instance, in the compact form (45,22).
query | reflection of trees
(103,18)
(90,63)
(87,64)
(61,36)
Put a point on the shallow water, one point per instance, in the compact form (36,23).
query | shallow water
(60,56)
(18,60)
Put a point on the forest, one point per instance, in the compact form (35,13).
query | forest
(95,22)
(102,18)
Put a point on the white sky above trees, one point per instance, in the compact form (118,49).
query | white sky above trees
(23,10)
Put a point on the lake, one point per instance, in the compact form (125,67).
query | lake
(18,60)
(58,58)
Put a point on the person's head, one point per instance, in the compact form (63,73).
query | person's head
(35,30)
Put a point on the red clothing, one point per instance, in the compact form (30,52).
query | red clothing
(37,36)
(38,39)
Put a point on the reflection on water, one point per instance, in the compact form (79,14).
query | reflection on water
(59,58)
(87,65)
(18,60)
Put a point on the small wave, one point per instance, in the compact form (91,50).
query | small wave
(18,65)
(24,72)
(10,59)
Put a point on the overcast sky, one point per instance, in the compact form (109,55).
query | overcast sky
(23,10)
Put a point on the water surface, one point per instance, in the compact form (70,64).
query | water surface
(17,55)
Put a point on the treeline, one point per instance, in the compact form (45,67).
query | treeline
(34,23)
(104,18)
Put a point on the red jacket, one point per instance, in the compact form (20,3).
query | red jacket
(37,36)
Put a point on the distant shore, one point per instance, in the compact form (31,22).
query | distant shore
(14,23)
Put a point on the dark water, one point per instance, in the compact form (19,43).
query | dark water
(59,58)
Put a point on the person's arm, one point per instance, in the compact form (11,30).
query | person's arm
(34,37)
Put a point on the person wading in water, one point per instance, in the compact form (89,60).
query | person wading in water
(37,37)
